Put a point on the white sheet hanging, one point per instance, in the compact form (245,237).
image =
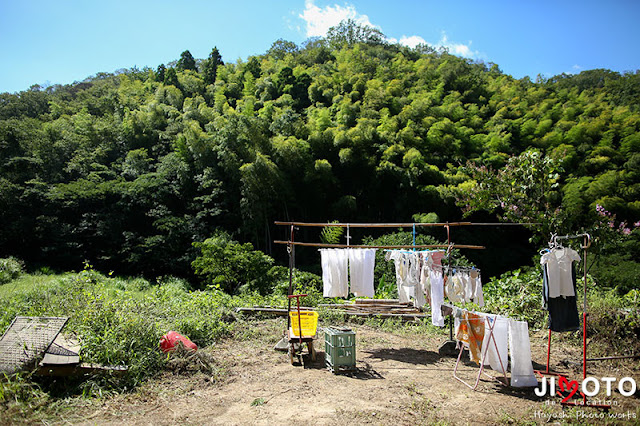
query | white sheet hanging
(334,272)
(437,297)
(522,374)
(361,267)
(501,336)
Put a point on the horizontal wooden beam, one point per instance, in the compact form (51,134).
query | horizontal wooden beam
(417,246)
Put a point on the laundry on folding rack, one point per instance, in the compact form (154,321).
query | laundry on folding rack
(339,264)
(470,330)
(496,343)
(490,339)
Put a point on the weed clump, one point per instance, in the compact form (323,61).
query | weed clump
(10,269)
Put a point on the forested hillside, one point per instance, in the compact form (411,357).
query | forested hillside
(129,169)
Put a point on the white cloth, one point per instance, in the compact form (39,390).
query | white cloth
(413,269)
(559,264)
(334,272)
(522,374)
(501,336)
(425,284)
(437,297)
(402,270)
(476,284)
(419,299)
(361,267)
(468,289)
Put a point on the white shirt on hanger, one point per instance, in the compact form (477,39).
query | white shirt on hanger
(559,271)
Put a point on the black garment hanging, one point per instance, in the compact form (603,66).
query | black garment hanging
(563,310)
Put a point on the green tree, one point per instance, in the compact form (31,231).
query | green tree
(349,32)
(186,62)
(525,190)
(210,66)
(160,73)
(281,47)
(262,188)
(253,66)
(171,78)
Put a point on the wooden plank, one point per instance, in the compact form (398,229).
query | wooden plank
(380,302)
(275,311)
(381,314)
(386,315)
(51,359)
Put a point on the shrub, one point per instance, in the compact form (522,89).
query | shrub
(614,321)
(518,295)
(10,269)
(229,265)
(303,283)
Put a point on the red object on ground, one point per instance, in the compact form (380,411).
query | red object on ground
(169,341)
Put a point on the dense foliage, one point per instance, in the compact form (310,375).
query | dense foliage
(10,269)
(129,169)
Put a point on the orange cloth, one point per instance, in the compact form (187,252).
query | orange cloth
(471,332)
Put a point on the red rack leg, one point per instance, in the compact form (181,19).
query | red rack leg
(548,351)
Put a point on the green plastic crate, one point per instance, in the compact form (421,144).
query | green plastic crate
(340,349)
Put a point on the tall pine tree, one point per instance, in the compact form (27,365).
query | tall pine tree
(210,66)
(186,61)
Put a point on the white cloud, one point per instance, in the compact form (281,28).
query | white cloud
(318,21)
(458,49)
(412,41)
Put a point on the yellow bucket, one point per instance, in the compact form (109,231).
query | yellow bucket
(308,322)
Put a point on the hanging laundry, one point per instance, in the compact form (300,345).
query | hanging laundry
(563,310)
(402,270)
(425,281)
(476,285)
(455,288)
(437,297)
(522,374)
(407,265)
(464,285)
(559,263)
(334,272)
(419,278)
(497,346)
(470,330)
(361,267)
(436,257)
(436,279)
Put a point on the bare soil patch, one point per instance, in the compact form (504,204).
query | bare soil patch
(401,379)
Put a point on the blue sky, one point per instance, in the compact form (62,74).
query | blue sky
(58,42)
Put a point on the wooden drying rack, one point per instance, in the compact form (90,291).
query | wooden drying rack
(291,243)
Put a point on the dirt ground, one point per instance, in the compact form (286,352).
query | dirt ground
(401,379)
